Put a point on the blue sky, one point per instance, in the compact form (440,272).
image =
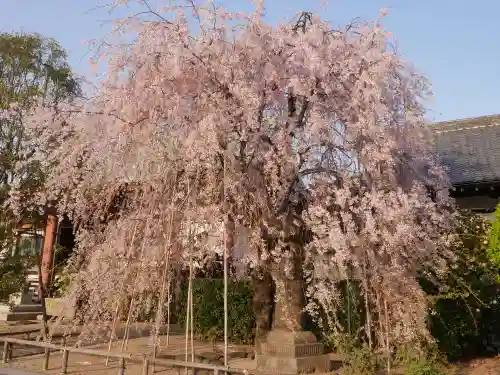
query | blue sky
(453,42)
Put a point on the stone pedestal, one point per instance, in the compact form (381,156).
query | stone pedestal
(288,349)
(287,352)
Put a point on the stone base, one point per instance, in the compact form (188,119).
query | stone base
(293,366)
(286,352)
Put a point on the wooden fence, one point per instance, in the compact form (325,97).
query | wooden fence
(147,363)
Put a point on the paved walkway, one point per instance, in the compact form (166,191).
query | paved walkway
(31,331)
(84,365)
(13,371)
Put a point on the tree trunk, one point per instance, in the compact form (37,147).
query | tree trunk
(289,298)
(262,303)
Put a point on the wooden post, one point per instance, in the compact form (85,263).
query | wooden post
(121,369)
(154,357)
(46,359)
(216,371)
(145,367)
(5,352)
(115,318)
(64,364)
(48,249)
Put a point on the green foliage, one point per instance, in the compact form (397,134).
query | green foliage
(13,263)
(11,276)
(360,361)
(12,273)
(32,68)
(425,361)
(349,320)
(464,305)
(208,310)
(494,239)
(62,279)
(423,367)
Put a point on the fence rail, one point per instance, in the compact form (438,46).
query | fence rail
(122,357)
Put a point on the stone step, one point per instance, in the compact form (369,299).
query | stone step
(27,308)
(32,308)
(18,316)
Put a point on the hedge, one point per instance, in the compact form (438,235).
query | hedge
(208,310)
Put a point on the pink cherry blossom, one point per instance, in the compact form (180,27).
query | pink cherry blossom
(238,120)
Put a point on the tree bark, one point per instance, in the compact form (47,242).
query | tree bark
(262,303)
(289,298)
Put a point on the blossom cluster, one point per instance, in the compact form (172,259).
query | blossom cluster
(280,130)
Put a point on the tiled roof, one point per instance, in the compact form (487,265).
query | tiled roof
(469,148)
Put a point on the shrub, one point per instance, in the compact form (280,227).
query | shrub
(348,332)
(12,275)
(423,367)
(360,361)
(494,239)
(208,310)
(464,300)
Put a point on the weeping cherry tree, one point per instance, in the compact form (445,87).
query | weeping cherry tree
(303,139)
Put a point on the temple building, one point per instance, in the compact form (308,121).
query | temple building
(55,240)
(470,150)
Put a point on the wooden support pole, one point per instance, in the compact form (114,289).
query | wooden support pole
(154,357)
(48,250)
(46,359)
(5,352)
(121,369)
(145,367)
(64,364)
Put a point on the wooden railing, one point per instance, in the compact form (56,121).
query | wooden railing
(121,357)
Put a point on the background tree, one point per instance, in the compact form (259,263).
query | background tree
(33,70)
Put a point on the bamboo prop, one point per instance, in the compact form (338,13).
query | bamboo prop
(115,317)
(187,321)
(226,243)
(159,313)
(189,312)
(169,296)
(132,301)
(191,309)
(165,282)
(127,325)
(388,348)
(368,324)
(190,282)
